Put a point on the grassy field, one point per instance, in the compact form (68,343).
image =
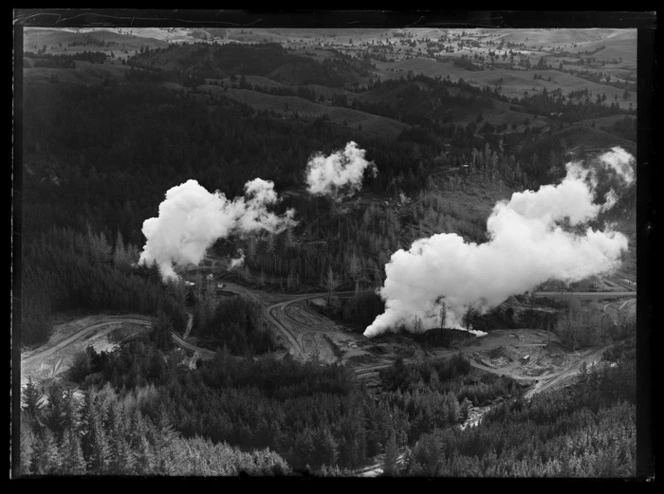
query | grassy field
(288,105)
(264,82)
(510,117)
(86,73)
(57,40)
(603,121)
(544,37)
(296,35)
(513,83)
(579,135)
(619,43)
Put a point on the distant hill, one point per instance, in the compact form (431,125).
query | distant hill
(542,37)
(581,136)
(68,40)
(266,59)
(512,83)
(620,45)
(285,35)
(288,105)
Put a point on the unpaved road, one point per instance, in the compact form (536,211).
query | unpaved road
(586,295)
(204,353)
(31,360)
(557,380)
(44,353)
(190,323)
(306,330)
(376,469)
(306,333)
(309,334)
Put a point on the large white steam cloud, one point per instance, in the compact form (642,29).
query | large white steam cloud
(191,219)
(340,174)
(528,245)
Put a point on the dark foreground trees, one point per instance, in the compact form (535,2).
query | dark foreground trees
(144,411)
(586,431)
(105,433)
(65,269)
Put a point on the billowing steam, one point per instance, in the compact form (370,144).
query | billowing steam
(534,237)
(340,174)
(191,219)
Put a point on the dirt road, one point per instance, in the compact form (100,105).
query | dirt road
(586,295)
(557,380)
(376,469)
(32,361)
(190,323)
(46,351)
(309,334)
(304,329)
(204,353)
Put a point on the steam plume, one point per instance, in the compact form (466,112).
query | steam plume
(191,219)
(528,245)
(338,175)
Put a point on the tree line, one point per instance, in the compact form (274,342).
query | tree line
(65,61)
(65,269)
(588,431)
(146,410)
(106,433)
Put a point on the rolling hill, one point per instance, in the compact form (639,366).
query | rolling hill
(543,37)
(67,40)
(288,105)
(512,83)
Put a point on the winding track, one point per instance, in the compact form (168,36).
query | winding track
(108,320)
(280,316)
(275,313)
(595,295)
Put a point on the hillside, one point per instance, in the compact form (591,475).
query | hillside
(254,251)
(270,60)
(562,37)
(69,40)
(578,137)
(289,105)
(512,83)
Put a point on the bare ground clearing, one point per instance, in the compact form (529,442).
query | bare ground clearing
(527,355)
(101,331)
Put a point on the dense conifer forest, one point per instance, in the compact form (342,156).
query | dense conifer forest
(105,135)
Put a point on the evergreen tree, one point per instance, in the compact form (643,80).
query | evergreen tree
(331,284)
(26,447)
(73,462)
(390,467)
(46,458)
(31,396)
(355,270)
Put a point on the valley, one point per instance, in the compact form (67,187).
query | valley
(328,252)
